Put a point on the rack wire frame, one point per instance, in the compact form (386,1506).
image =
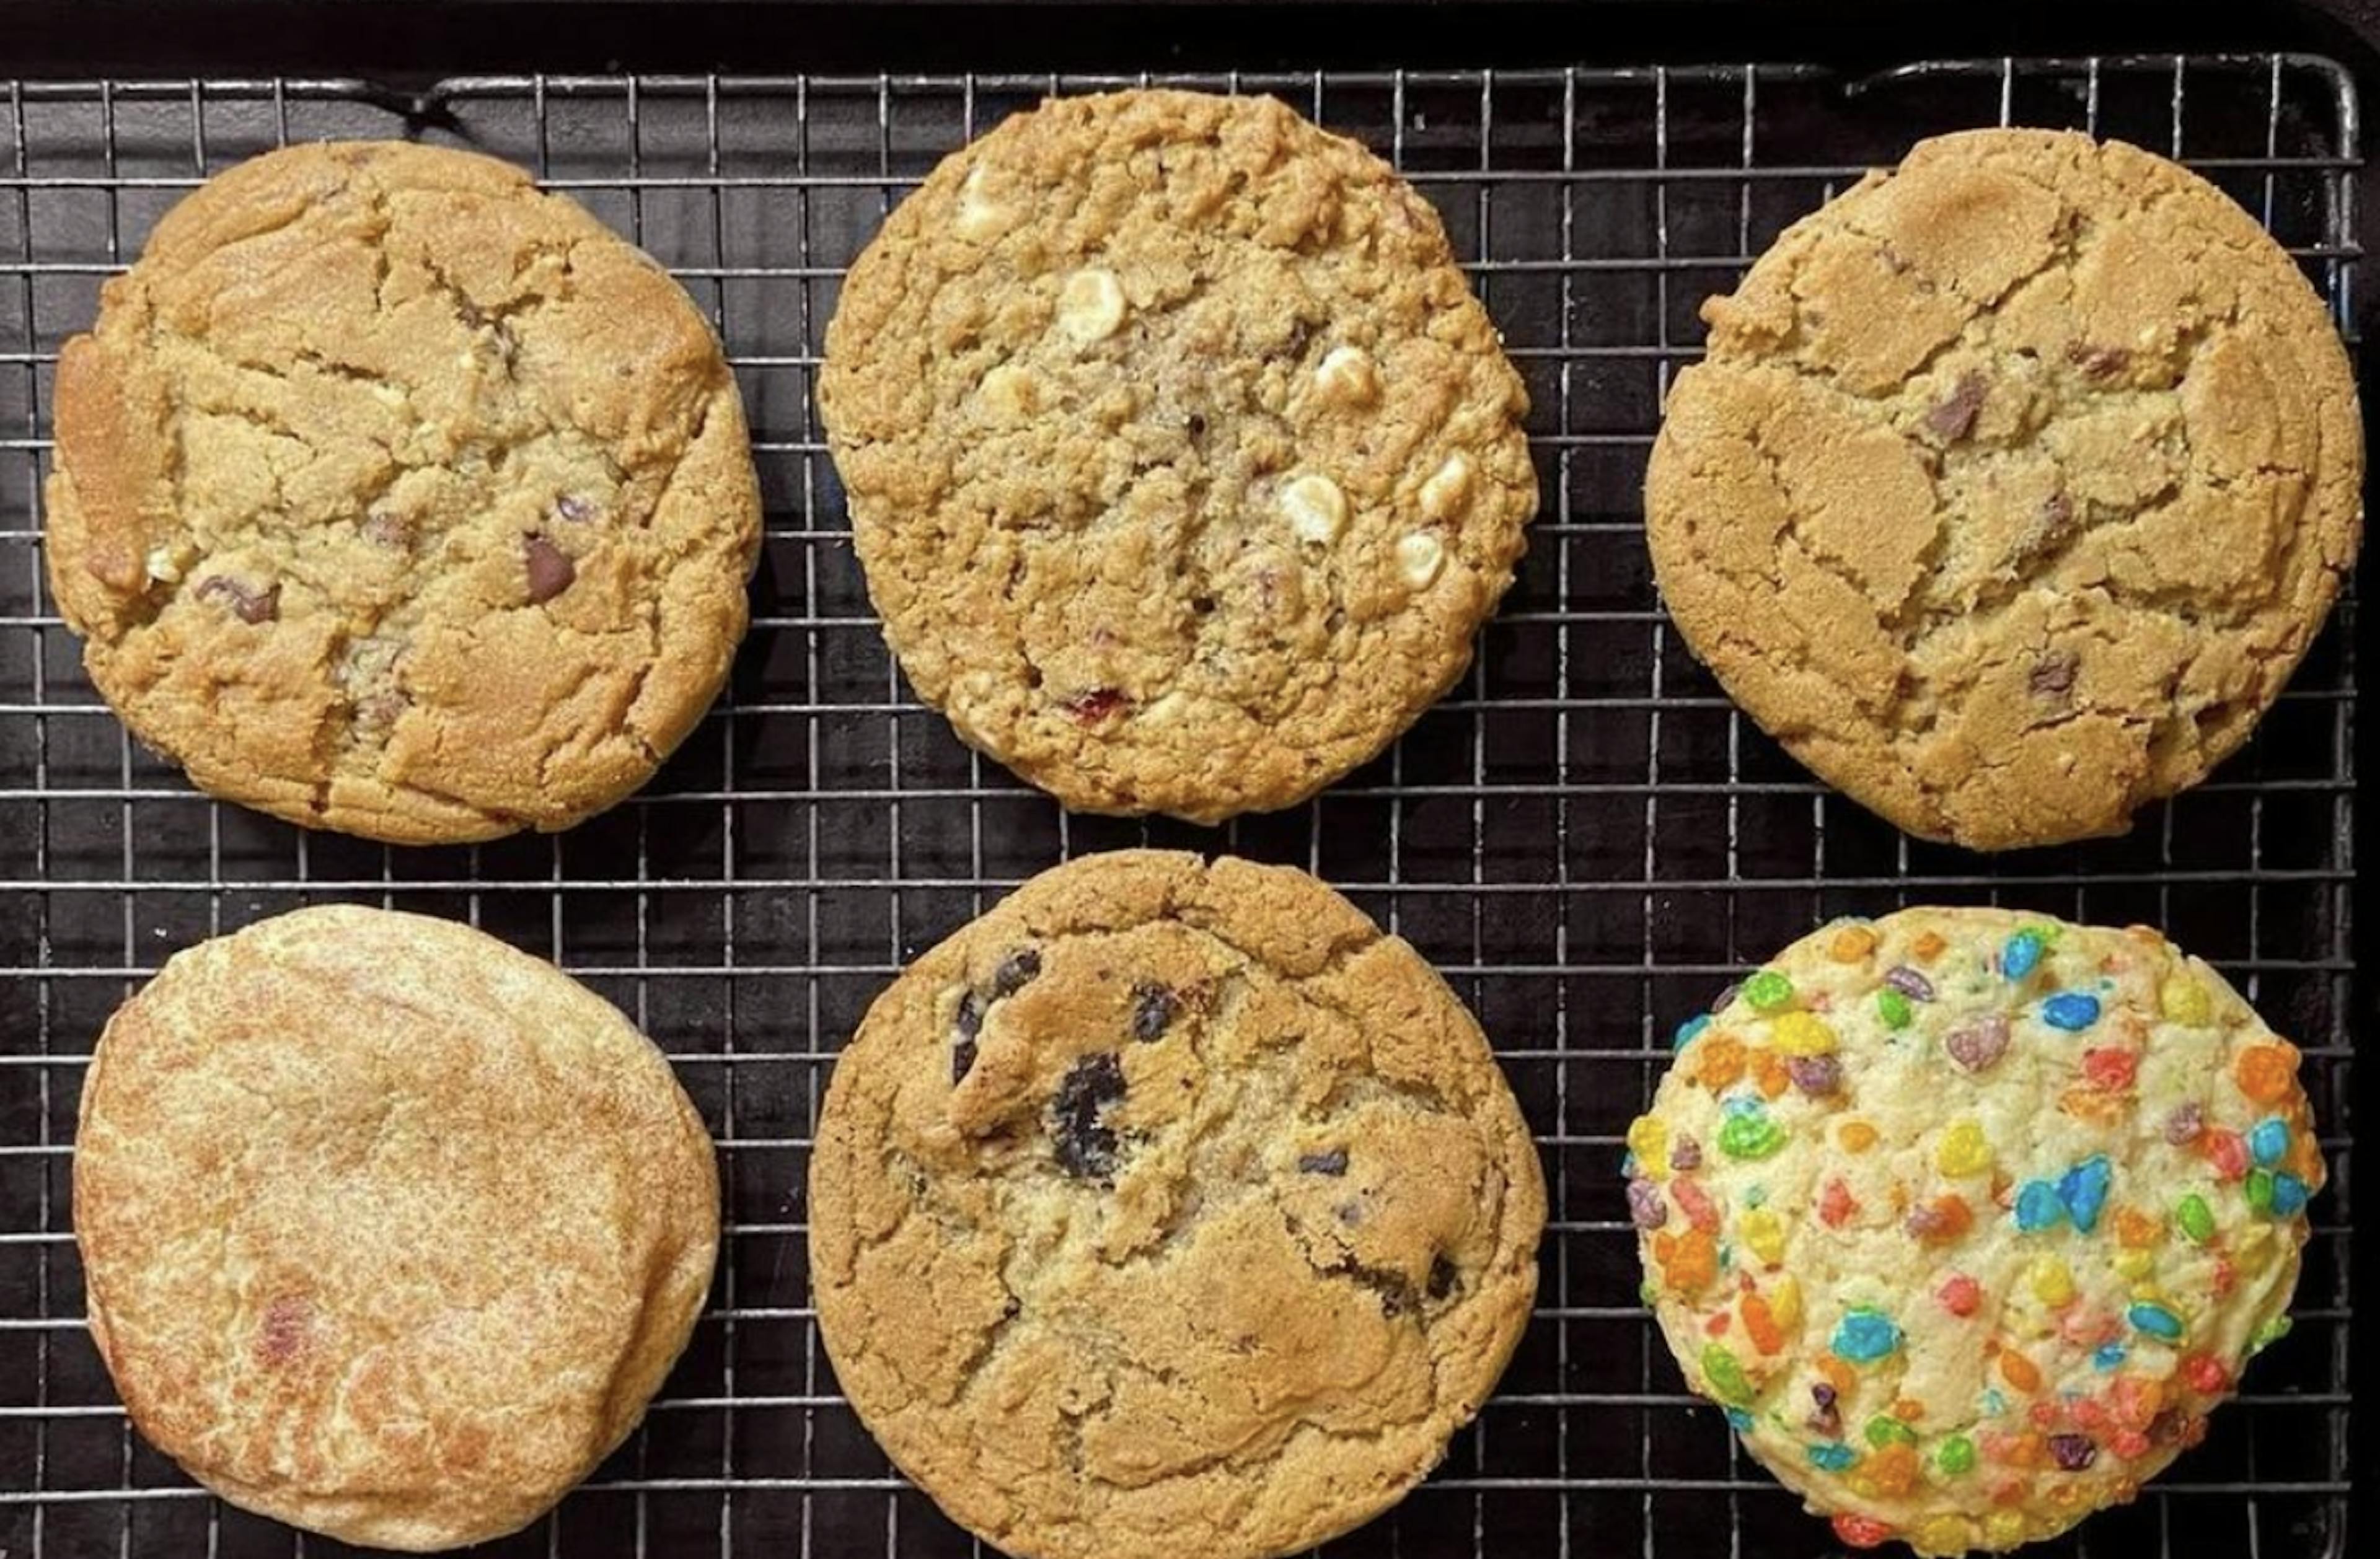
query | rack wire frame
(1585,836)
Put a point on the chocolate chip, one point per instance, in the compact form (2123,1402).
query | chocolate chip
(1085,1145)
(1909,983)
(575,509)
(1096,705)
(2073,1453)
(1195,425)
(549,569)
(1153,1007)
(969,1020)
(1954,418)
(248,603)
(1015,971)
(2099,362)
(963,1054)
(1824,1417)
(2052,676)
(964,1026)
(1442,1276)
(1331,1163)
(1647,1209)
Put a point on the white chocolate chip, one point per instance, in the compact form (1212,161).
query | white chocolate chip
(1420,556)
(1345,375)
(1316,508)
(979,216)
(1443,495)
(1169,706)
(163,566)
(1009,394)
(1090,305)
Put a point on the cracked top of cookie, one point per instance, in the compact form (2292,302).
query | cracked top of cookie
(2014,485)
(1182,461)
(1170,1207)
(395,497)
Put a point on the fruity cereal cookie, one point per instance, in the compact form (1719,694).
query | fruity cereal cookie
(1183,462)
(1969,1218)
(1169,1208)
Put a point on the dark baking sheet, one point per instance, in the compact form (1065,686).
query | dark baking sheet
(1585,836)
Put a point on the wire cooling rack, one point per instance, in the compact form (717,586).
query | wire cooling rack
(1585,836)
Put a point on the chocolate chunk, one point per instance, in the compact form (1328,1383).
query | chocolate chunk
(1824,1417)
(1646,1207)
(1096,705)
(963,1053)
(1909,983)
(1331,1163)
(249,604)
(1954,418)
(2099,362)
(1195,425)
(1015,971)
(1153,1007)
(969,1019)
(1442,1276)
(2052,676)
(549,569)
(2073,1453)
(964,1026)
(1085,1145)
(575,509)
(1976,1045)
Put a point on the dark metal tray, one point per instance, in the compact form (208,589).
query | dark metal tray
(1585,836)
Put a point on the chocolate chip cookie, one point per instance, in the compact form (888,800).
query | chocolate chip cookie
(395,497)
(1182,464)
(1170,1207)
(404,1277)
(2014,486)
(1969,1218)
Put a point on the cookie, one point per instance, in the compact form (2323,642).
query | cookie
(395,497)
(1181,462)
(405,1277)
(1170,1207)
(1969,1218)
(2014,485)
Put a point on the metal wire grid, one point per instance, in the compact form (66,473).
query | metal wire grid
(1585,837)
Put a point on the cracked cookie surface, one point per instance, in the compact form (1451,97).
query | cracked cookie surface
(2014,486)
(1969,1218)
(404,1278)
(395,497)
(1170,1207)
(1182,461)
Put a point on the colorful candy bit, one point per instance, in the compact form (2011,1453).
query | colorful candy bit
(1928,946)
(1688,1261)
(1836,1205)
(1834,1457)
(1764,1232)
(2003,1529)
(1728,1381)
(2129,1443)
(1768,992)
(1864,1335)
(1884,1430)
(1646,1209)
(1718,1062)
(2268,1140)
(2227,1151)
(1851,944)
(2156,1321)
(1959,1294)
(1955,1454)
(1856,1136)
(1890,1472)
(1696,1203)
(1801,1034)
(2184,1000)
(2260,1190)
(1750,1134)
(1769,1072)
(2267,1072)
(2184,1124)
(2021,954)
(1685,1154)
(2111,1071)
(2073,1453)
(1820,1077)
(1690,1030)
(1893,1007)
(2070,1010)
(2134,1264)
(1939,1222)
(1760,1324)
(1974,1045)
(2051,1282)
(2136,1229)
(2038,1206)
(2290,1196)
(2205,1374)
(2108,1356)
(1944,1534)
(1909,983)
(1963,1150)
(2019,1371)
(2084,1189)
(2271,1332)
(1862,1532)
(1648,1139)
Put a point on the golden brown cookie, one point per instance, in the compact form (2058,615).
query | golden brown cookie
(1182,464)
(389,1230)
(2013,486)
(1170,1207)
(395,497)
(1969,1218)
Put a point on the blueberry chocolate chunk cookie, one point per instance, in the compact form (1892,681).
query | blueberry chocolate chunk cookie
(2014,485)
(1170,1207)
(397,497)
(1969,1218)
(406,1278)
(1182,461)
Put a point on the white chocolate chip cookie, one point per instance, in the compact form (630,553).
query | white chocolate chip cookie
(1182,464)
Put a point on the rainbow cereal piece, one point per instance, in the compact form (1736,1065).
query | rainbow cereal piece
(2027,1198)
